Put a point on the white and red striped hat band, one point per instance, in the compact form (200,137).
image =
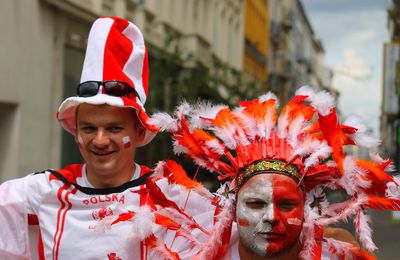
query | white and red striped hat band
(115,51)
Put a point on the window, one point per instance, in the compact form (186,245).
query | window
(73,62)
(8,141)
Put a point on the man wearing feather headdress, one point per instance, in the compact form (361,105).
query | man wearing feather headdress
(277,169)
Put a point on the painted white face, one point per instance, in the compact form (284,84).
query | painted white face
(269,214)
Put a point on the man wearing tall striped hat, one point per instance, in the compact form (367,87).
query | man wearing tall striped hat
(75,207)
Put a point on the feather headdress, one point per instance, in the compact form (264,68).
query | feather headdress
(305,141)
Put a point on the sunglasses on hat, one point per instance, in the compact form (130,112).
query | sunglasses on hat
(113,88)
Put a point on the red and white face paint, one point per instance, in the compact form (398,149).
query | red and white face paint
(269,214)
(126,140)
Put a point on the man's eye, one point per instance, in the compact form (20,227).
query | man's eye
(287,205)
(88,129)
(255,204)
(115,129)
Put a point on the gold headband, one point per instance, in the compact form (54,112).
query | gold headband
(267,166)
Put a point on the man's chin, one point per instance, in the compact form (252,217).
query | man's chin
(104,169)
(282,247)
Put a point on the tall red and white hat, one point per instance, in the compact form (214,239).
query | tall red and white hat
(115,52)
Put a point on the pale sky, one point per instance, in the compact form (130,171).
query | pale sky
(353,33)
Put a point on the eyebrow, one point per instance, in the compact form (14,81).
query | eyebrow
(254,196)
(108,124)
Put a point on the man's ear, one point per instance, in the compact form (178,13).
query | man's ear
(140,132)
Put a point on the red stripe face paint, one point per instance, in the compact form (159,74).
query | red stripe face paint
(269,213)
(127,141)
(243,222)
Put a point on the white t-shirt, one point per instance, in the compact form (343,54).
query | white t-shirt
(74,220)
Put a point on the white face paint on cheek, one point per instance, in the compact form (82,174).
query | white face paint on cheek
(126,140)
(80,140)
(294,221)
(253,222)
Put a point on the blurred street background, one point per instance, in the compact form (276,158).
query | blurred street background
(222,50)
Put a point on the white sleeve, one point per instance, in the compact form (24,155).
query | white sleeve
(14,237)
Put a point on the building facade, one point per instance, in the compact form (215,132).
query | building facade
(44,45)
(256,44)
(390,110)
(296,55)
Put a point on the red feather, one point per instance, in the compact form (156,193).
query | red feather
(160,248)
(176,174)
(379,203)
(160,199)
(124,217)
(359,254)
(376,174)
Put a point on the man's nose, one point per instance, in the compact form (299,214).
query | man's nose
(269,214)
(101,138)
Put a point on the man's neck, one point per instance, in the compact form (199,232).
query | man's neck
(100,181)
(291,253)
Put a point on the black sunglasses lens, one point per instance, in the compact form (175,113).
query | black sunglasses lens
(88,89)
(116,88)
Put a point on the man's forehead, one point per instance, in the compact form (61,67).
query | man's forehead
(104,112)
(268,182)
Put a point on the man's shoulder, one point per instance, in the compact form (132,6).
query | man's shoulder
(70,173)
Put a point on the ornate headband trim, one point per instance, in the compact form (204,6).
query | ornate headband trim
(267,166)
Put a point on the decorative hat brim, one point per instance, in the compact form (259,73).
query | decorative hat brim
(67,112)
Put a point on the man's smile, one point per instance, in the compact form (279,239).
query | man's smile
(102,153)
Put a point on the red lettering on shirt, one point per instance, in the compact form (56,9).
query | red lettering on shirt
(105,198)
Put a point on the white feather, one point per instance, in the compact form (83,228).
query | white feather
(223,219)
(186,224)
(364,232)
(160,250)
(158,170)
(306,146)
(353,177)
(348,209)
(231,135)
(269,124)
(331,163)
(283,122)
(250,125)
(322,152)
(142,223)
(294,130)
(183,109)
(393,188)
(307,235)
(164,122)
(361,137)
(341,248)
(305,91)
(104,224)
(179,149)
(268,96)
(215,146)
(355,121)
(323,102)
(201,111)
(379,160)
